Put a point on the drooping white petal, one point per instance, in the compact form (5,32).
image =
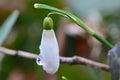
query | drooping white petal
(49,52)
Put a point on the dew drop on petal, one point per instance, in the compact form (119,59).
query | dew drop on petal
(38,60)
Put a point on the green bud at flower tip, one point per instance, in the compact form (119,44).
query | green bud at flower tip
(48,23)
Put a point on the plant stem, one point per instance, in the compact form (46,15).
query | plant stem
(76,20)
(102,40)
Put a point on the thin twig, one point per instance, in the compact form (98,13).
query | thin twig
(68,60)
(18,53)
(84,61)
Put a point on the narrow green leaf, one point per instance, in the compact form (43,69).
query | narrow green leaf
(7,25)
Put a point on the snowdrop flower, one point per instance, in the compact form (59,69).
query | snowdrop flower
(49,51)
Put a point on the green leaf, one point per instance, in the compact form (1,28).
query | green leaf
(7,26)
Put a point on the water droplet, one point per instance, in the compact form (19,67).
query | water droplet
(38,60)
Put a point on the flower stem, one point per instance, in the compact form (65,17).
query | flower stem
(74,19)
(102,40)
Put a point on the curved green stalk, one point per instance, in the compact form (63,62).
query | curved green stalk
(74,19)
(51,13)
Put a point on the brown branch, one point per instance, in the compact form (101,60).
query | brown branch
(68,60)
(84,61)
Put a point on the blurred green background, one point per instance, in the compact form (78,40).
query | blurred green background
(26,35)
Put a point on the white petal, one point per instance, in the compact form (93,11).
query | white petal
(49,52)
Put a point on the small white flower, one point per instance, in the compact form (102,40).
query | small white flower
(49,52)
